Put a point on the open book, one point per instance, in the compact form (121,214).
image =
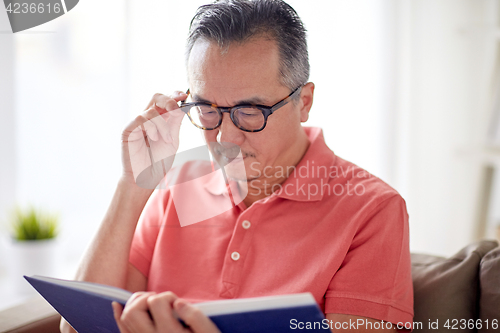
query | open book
(87,307)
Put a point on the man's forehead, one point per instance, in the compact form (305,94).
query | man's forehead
(254,99)
(247,71)
(258,54)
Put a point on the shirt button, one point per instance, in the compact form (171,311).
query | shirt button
(246,224)
(235,256)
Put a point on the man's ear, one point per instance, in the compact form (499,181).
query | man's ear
(306,100)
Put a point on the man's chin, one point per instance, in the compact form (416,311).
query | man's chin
(238,178)
(236,170)
(241,178)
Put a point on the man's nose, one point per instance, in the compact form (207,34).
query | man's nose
(228,132)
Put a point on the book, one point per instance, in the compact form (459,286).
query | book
(87,307)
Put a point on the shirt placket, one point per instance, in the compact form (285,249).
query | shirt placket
(238,249)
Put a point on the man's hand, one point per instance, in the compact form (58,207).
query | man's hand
(147,312)
(150,141)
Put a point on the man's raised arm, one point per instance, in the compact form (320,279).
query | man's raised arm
(106,260)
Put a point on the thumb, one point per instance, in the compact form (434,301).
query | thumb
(179,96)
(117,313)
(194,318)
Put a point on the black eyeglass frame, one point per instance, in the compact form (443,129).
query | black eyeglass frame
(266,110)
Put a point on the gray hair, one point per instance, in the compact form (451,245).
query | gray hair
(226,21)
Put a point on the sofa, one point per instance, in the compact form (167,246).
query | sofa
(460,293)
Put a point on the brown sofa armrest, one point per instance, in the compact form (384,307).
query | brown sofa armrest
(448,288)
(34,315)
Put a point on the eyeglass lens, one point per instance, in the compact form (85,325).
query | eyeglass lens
(248,118)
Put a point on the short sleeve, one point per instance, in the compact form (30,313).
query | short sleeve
(146,232)
(374,279)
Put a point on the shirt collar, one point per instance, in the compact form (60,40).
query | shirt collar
(306,181)
(217,184)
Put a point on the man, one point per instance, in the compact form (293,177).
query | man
(305,220)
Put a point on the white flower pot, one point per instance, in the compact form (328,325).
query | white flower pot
(29,258)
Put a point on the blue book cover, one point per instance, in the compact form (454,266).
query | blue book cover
(87,308)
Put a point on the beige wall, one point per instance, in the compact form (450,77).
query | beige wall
(445,58)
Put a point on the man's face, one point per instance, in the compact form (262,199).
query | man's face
(247,73)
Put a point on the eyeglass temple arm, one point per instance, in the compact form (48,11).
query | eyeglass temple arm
(286,100)
(280,104)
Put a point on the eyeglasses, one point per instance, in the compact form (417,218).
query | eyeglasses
(247,117)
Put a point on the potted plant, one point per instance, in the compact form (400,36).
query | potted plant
(32,247)
(33,225)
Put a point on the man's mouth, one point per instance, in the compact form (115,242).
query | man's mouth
(227,152)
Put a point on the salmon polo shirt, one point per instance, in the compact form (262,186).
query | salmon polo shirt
(331,229)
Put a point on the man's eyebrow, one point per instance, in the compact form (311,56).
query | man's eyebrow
(253,100)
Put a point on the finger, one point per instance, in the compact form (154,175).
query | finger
(160,307)
(135,315)
(171,120)
(137,295)
(161,100)
(146,120)
(153,124)
(136,134)
(117,312)
(133,130)
(151,130)
(169,125)
(194,318)
(158,105)
(174,125)
(161,125)
(165,103)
